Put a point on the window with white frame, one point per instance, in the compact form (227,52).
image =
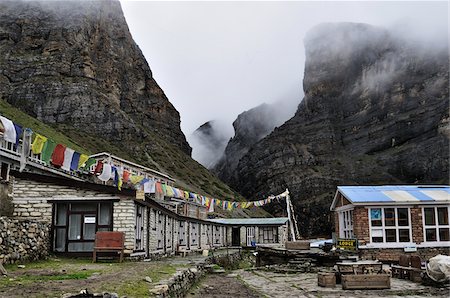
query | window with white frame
(436,224)
(389,225)
(346,224)
(268,234)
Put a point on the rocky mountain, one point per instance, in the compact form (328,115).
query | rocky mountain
(74,65)
(375,111)
(250,127)
(208,142)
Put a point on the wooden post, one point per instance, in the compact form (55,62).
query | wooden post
(291,224)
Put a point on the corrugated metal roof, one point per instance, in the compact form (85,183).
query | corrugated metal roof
(251,221)
(396,193)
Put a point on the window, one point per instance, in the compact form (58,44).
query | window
(139,228)
(436,224)
(182,234)
(346,224)
(390,225)
(159,230)
(4,171)
(268,235)
(76,223)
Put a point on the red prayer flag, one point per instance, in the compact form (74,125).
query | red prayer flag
(58,155)
(125,176)
(158,187)
(98,168)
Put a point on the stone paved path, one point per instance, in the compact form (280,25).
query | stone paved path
(221,286)
(270,284)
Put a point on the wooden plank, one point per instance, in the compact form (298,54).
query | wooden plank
(366,281)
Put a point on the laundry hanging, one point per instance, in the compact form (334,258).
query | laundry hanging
(58,155)
(10,131)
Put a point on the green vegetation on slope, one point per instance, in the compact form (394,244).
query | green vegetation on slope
(189,174)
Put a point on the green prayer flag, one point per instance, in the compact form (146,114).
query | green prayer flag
(89,163)
(47,151)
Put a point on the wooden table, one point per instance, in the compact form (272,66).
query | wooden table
(360,267)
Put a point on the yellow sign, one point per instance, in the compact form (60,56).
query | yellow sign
(350,244)
(140,195)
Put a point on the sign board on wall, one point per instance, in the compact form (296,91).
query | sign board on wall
(89,219)
(348,244)
(140,195)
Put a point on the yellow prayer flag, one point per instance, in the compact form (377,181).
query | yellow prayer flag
(38,144)
(136,179)
(119,183)
(230,206)
(83,159)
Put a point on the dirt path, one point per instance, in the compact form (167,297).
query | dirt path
(222,286)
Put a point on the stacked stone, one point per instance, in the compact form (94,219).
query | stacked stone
(23,240)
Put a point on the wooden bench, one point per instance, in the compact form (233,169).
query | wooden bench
(409,267)
(109,242)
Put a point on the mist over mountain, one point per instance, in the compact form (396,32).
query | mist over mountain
(219,148)
(209,141)
(375,111)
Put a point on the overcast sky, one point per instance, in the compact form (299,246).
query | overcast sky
(215,60)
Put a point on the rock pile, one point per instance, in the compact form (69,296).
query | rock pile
(23,240)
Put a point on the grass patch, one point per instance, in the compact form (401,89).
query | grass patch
(51,263)
(32,278)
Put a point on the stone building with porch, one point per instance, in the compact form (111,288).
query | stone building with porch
(392,220)
(248,232)
(66,208)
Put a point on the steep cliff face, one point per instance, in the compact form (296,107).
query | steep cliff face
(375,111)
(249,127)
(74,65)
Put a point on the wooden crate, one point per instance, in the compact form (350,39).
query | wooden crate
(366,281)
(326,279)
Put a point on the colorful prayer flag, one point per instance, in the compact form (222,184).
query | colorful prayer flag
(58,155)
(47,150)
(82,160)
(38,144)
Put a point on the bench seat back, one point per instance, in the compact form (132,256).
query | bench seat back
(112,240)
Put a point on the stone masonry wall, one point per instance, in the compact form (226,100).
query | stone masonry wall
(30,198)
(6,205)
(124,221)
(23,240)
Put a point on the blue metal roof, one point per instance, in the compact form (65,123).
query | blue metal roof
(251,221)
(396,193)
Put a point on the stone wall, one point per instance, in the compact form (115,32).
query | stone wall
(180,283)
(6,205)
(124,221)
(23,240)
